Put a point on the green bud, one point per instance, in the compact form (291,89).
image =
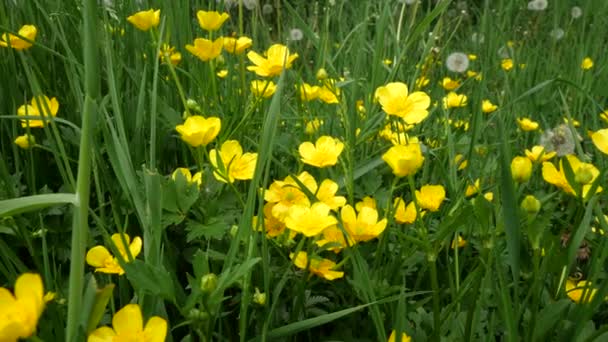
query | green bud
(530,205)
(584,174)
(208,283)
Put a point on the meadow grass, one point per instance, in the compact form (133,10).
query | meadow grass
(514,250)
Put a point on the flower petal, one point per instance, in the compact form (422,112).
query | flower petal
(128,320)
(155,330)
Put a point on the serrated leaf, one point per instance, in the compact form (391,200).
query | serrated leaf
(154,280)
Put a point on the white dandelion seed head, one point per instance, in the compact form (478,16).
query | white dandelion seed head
(576,12)
(267,9)
(250,4)
(559,140)
(296,34)
(538,5)
(557,33)
(457,62)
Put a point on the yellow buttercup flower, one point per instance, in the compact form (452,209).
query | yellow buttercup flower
(206,49)
(575,291)
(506,64)
(538,154)
(472,189)
(237,45)
(488,107)
(272,225)
(600,140)
(393,337)
(26,31)
(460,162)
(585,174)
(313,126)
(367,201)
(404,214)
(287,193)
(327,194)
(128,325)
(363,226)
(527,125)
(169,55)
(234,164)
(19,313)
(41,107)
(458,242)
(199,131)
(521,169)
(323,268)
(310,221)
(449,84)
(587,63)
(103,261)
(395,100)
(197,178)
(421,82)
(277,58)
(211,20)
(308,92)
(332,239)
(329,93)
(323,153)
(404,160)
(263,88)
(25,141)
(145,20)
(430,197)
(453,100)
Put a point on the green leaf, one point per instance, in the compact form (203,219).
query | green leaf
(102,297)
(154,280)
(28,203)
(548,318)
(215,228)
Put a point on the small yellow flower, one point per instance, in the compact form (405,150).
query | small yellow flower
(363,226)
(26,31)
(145,20)
(421,82)
(538,154)
(211,20)
(472,189)
(103,261)
(489,196)
(313,126)
(472,57)
(329,93)
(128,325)
(430,197)
(574,122)
(395,100)
(287,193)
(272,225)
(259,297)
(263,88)
(527,125)
(460,162)
(393,337)
(458,242)
(169,55)
(404,214)
(234,164)
(600,140)
(185,172)
(222,73)
(308,92)
(199,131)
(453,100)
(487,106)
(323,153)
(323,268)
(587,63)
(327,194)
(19,313)
(25,141)
(521,169)
(558,177)
(310,221)
(575,291)
(206,49)
(604,115)
(449,84)
(367,201)
(332,239)
(277,58)
(41,107)
(506,64)
(404,160)
(237,46)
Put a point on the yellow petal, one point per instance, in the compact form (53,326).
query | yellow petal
(128,320)
(103,334)
(155,330)
(97,256)
(600,140)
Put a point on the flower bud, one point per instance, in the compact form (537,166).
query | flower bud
(208,283)
(530,205)
(321,74)
(521,169)
(584,174)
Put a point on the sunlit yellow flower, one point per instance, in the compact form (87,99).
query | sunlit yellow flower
(404,214)
(40,106)
(453,100)
(575,291)
(234,164)
(145,20)
(308,92)
(169,55)
(103,261)
(421,82)
(487,106)
(459,241)
(277,57)
(327,194)
(604,115)
(395,100)
(521,169)
(329,93)
(128,325)
(312,126)
(587,63)
(310,221)
(197,178)
(259,297)
(393,337)
(527,125)
(26,31)
(585,174)
(460,162)
(430,197)
(506,64)
(574,122)
(363,226)
(489,196)
(263,88)
(323,153)
(237,45)
(323,268)
(472,189)
(404,160)
(199,131)
(206,49)
(332,239)
(19,313)
(538,154)
(222,73)
(449,84)
(25,141)
(272,225)
(211,20)
(287,193)
(600,140)
(367,201)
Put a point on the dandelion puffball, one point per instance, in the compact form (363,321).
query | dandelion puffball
(457,62)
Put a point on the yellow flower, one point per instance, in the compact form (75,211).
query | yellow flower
(558,178)
(527,125)
(277,58)
(421,82)
(453,100)
(363,226)
(259,297)
(472,189)
(404,337)
(323,153)
(103,261)
(329,93)
(212,20)
(460,162)
(332,239)
(575,291)
(169,55)
(327,194)
(237,46)
(430,197)
(19,313)
(367,201)
(521,169)
(272,225)
(222,73)
(287,193)
(395,100)
(321,74)
(197,178)
(262,88)
(25,141)
(538,154)
(26,31)
(199,131)
(323,268)
(600,140)
(41,107)
(128,325)
(604,115)
(310,221)
(308,92)
(145,20)
(206,49)
(587,63)
(234,164)
(458,242)
(506,64)
(489,196)
(487,106)
(449,84)
(404,214)
(574,122)
(405,160)
(312,126)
